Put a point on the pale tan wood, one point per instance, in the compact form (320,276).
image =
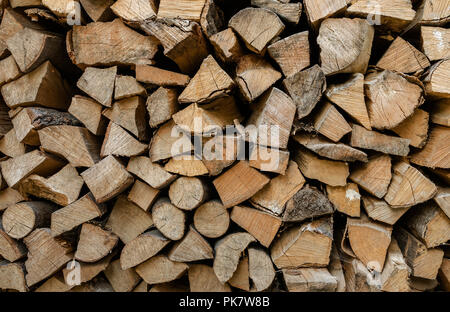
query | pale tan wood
(46,255)
(256,27)
(160,269)
(121,280)
(435,81)
(127,86)
(10,196)
(345,45)
(160,77)
(128,220)
(289,12)
(220,152)
(12,276)
(202,279)
(379,210)
(21,3)
(143,195)
(444,274)
(440,112)
(94,243)
(331,123)
(18,168)
(193,247)
(188,193)
(62,188)
(346,199)
(212,19)
(309,280)
(168,219)
(98,11)
(98,284)
(211,219)
(142,248)
(373,140)
(76,144)
(394,277)
(349,96)
(227,46)
(89,112)
(316,11)
(374,176)
(10,145)
(358,278)
(142,287)
(241,278)
(408,187)
(110,43)
(308,245)
(260,268)
(188,165)
(436,152)
(161,105)
(422,284)
(169,141)
(414,128)
(12,22)
(254,75)
(10,248)
(107,179)
(184,9)
(98,83)
(306,88)
(44,86)
(435,12)
(442,198)
(75,214)
(336,269)
(151,173)
(227,254)
(239,183)
(269,159)
(135,11)
(9,70)
(330,172)
(119,142)
(88,271)
(435,42)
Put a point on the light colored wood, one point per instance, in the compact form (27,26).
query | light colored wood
(135,11)
(62,188)
(358,278)
(269,159)
(212,19)
(308,245)
(309,280)
(160,77)
(10,196)
(227,254)
(161,105)
(98,11)
(160,269)
(394,277)
(444,274)
(12,276)
(440,112)
(336,269)
(436,152)
(75,214)
(346,199)
(211,219)
(151,173)
(18,168)
(89,112)
(227,46)
(442,198)
(374,176)
(143,195)
(254,75)
(142,248)
(127,86)
(193,247)
(435,12)
(373,140)
(260,268)
(168,219)
(10,145)
(188,193)
(330,172)
(415,128)
(94,243)
(408,187)
(379,210)
(435,42)
(46,255)
(306,88)
(128,220)
(121,280)
(202,279)
(9,70)
(183,9)
(107,179)
(44,86)
(220,152)
(345,45)
(241,278)
(435,81)
(98,83)
(76,144)
(88,271)
(169,141)
(288,12)
(110,43)
(331,123)
(349,96)
(21,3)
(142,287)
(316,11)
(190,166)
(11,249)
(239,183)
(119,142)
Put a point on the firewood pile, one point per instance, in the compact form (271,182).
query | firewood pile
(218,145)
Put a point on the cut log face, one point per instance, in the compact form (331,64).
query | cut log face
(151,173)
(308,245)
(408,187)
(190,10)
(11,249)
(111,43)
(99,84)
(188,193)
(435,82)
(119,142)
(241,278)
(391,98)
(10,146)
(316,11)
(227,254)
(288,12)
(436,152)
(160,269)
(127,86)
(256,27)
(95,243)
(346,199)
(227,46)
(88,271)
(169,141)
(394,277)
(168,219)
(331,123)
(143,195)
(89,112)
(269,159)
(379,210)
(414,128)
(190,166)
(306,88)
(211,219)
(98,11)
(435,12)
(161,105)
(121,280)
(212,19)
(12,276)
(193,247)
(345,45)
(374,176)
(442,198)
(309,280)
(203,279)
(160,77)
(260,268)
(9,70)
(435,42)
(135,11)
(142,248)
(10,196)
(307,203)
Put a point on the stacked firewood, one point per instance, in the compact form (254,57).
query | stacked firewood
(212,145)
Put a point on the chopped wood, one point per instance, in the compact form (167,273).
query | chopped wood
(379,210)
(9,70)
(241,278)
(414,128)
(160,77)
(211,219)
(160,269)
(203,279)
(10,248)
(358,278)
(435,153)
(121,280)
(168,219)
(435,82)
(119,142)
(336,269)
(11,146)
(161,105)
(444,274)
(442,198)
(98,11)
(89,112)
(151,173)
(435,12)
(143,195)
(94,243)
(184,9)
(260,268)
(188,193)
(212,19)
(331,123)
(440,113)
(435,42)
(87,270)
(163,141)
(269,159)
(127,86)
(394,277)
(99,84)
(316,11)
(346,199)
(12,276)
(227,46)
(193,247)
(309,280)
(134,11)
(10,196)
(288,12)
(190,166)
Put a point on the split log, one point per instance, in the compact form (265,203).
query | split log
(414,128)
(336,270)
(422,284)
(143,195)
(309,280)
(119,142)
(308,203)
(134,11)
(288,12)
(193,247)
(168,219)
(121,280)
(128,220)
(62,188)
(151,173)
(127,86)
(21,219)
(89,112)
(374,176)
(160,269)
(394,277)
(98,11)
(190,166)
(107,179)
(435,12)
(358,278)
(435,42)
(241,278)
(435,81)
(11,249)
(379,210)
(227,254)
(161,105)
(9,197)
(220,152)
(269,159)
(308,245)
(160,77)
(442,198)
(260,268)
(98,83)
(212,19)
(444,274)
(94,243)
(75,214)
(202,279)
(142,287)
(306,88)
(169,141)
(329,122)
(317,11)
(12,276)
(46,255)
(9,70)
(345,45)
(436,151)
(227,46)
(142,248)
(188,193)
(408,187)
(254,75)
(190,10)
(88,271)
(10,146)
(346,199)
(211,219)
(239,183)
(440,112)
